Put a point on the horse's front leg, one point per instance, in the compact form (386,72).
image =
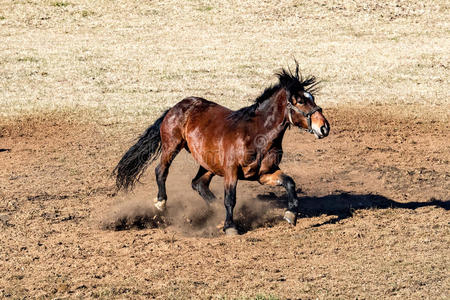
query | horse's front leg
(278,178)
(230,201)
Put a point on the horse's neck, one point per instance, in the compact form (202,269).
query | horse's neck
(273,115)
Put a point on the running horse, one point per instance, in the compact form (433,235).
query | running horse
(245,144)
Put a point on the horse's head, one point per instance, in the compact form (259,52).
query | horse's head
(303,112)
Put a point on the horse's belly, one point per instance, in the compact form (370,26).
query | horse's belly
(209,158)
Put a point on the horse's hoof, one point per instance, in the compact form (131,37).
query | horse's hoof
(231,231)
(160,205)
(291,217)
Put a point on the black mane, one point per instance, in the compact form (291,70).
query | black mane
(292,82)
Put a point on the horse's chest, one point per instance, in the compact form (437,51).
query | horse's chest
(260,163)
(250,170)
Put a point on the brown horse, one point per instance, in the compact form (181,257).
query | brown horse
(239,145)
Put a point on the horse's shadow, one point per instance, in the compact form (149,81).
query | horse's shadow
(342,205)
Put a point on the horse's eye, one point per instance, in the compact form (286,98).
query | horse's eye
(300,100)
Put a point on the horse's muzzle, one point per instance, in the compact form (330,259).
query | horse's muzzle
(321,132)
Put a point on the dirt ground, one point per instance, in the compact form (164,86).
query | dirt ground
(375,219)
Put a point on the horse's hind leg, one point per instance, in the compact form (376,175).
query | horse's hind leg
(162,170)
(201,182)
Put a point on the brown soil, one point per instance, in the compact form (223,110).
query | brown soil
(375,220)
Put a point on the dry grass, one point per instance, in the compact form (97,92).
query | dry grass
(127,60)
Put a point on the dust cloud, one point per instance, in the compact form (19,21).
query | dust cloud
(188,213)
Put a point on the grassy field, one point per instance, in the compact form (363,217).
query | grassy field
(79,80)
(125,60)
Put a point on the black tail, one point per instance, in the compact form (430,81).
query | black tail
(134,162)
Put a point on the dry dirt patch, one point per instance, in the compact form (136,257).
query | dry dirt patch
(375,205)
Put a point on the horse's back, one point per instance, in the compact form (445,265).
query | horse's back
(193,112)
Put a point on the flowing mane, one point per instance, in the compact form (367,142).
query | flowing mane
(293,82)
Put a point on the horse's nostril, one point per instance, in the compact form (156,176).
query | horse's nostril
(324,130)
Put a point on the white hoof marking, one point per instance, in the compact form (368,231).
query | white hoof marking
(160,205)
(290,217)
